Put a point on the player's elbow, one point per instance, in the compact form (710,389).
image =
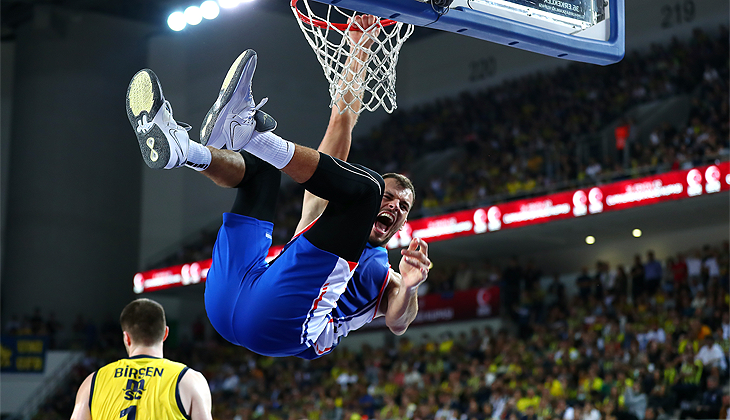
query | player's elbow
(397,325)
(398,330)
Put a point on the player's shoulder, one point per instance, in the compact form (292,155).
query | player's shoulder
(173,363)
(89,379)
(195,375)
(374,259)
(193,381)
(374,252)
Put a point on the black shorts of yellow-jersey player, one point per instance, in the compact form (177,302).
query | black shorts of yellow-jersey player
(145,385)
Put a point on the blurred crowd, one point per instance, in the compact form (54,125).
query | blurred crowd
(649,341)
(84,334)
(537,134)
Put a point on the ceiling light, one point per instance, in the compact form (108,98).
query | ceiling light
(193,16)
(209,9)
(590,240)
(176,21)
(227,4)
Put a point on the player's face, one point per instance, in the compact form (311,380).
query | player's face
(394,208)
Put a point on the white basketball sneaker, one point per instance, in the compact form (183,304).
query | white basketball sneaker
(163,142)
(234,116)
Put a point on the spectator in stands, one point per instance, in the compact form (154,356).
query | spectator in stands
(652,273)
(711,354)
(511,279)
(463,279)
(678,268)
(710,403)
(584,282)
(635,401)
(556,292)
(532,276)
(637,277)
(593,170)
(710,267)
(694,270)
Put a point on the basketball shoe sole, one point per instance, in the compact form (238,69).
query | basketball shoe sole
(144,100)
(163,142)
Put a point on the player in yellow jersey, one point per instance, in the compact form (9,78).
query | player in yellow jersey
(144,386)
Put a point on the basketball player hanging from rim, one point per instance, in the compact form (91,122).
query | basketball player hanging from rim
(333,276)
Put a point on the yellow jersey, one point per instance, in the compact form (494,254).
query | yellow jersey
(140,387)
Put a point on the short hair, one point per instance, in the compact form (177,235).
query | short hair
(403,182)
(144,320)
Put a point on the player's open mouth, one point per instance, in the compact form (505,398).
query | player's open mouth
(383,222)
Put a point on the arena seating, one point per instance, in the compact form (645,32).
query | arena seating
(623,347)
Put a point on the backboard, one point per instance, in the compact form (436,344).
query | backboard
(590,31)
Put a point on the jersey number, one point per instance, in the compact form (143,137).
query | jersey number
(130,412)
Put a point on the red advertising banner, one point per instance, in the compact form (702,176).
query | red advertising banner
(620,195)
(462,305)
(578,203)
(181,275)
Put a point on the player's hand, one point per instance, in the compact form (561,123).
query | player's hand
(415,264)
(365,30)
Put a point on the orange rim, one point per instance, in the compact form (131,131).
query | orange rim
(327,25)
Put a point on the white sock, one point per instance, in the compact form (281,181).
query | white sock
(199,156)
(270,148)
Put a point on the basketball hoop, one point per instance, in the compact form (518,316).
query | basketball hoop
(359,77)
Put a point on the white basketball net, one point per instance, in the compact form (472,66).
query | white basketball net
(359,77)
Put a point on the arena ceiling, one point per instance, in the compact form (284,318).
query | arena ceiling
(14,13)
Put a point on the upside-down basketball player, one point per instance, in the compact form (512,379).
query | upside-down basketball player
(333,276)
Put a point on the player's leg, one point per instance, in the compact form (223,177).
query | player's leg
(258,190)
(354,194)
(245,236)
(288,306)
(165,144)
(235,122)
(242,244)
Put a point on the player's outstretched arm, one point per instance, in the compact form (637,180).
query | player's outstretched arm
(401,297)
(195,395)
(82,411)
(338,137)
